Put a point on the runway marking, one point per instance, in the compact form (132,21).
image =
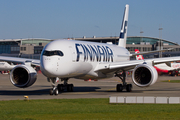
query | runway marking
(111,89)
(80,92)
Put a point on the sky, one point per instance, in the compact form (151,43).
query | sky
(55,19)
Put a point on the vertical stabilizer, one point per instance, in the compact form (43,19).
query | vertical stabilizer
(138,57)
(123,33)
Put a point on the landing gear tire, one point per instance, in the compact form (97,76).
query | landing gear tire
(70,87)
(51,91)
(129,87)
(56,92)
(60,87)
(119,87)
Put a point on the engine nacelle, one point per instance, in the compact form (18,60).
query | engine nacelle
(23,76)
(144,75)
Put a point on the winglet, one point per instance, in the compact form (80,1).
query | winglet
(123,33)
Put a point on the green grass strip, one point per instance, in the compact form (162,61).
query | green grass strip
(96,109)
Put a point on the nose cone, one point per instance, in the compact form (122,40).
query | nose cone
(47,66)
(54,57)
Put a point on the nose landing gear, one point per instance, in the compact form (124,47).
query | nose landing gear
(54,90)
(60,87)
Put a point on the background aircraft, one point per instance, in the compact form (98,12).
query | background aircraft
(163,68)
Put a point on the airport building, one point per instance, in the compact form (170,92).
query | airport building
(144,44)
(31,48)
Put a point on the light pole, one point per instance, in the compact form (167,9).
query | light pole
(160,45)
(141,40)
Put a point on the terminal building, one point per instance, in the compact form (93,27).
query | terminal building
(31,48)
(27,48)
(143,44)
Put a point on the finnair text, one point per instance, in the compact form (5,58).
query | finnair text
(94,53)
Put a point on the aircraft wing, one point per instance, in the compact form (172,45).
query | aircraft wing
(20,60)
(118,66)
(164,60)
(128,65)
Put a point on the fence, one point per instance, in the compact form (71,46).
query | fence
(147,99)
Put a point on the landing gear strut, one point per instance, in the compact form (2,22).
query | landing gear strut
(126,86)
(54,90)
(60,87)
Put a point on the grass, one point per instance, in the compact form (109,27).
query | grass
(172,81)
(84,109)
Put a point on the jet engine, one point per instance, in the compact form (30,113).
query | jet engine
(23,76)
(144,75)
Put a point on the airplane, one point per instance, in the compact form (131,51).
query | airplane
(64,59)
(162,68)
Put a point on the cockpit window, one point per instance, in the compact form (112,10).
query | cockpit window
(51,53)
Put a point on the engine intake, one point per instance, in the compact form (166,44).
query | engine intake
(144,75)
(23,76)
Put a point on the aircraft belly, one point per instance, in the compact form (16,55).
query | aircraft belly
(88,76)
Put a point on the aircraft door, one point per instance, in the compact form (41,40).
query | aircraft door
(73,54)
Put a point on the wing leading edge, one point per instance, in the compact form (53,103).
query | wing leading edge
(128,65)
(20,60)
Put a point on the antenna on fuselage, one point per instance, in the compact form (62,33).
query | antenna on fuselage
(123,33)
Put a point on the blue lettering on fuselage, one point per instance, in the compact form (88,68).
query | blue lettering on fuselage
(94,53)
(78,52)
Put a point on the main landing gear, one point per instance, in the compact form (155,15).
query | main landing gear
(126,86)
(60,87)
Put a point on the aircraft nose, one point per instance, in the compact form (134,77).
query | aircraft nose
(47,67)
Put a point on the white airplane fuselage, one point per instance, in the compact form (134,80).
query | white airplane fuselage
(79,59)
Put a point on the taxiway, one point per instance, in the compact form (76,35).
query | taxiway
(90,89)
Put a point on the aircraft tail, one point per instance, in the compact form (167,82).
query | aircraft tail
(138,57)
(123,33)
